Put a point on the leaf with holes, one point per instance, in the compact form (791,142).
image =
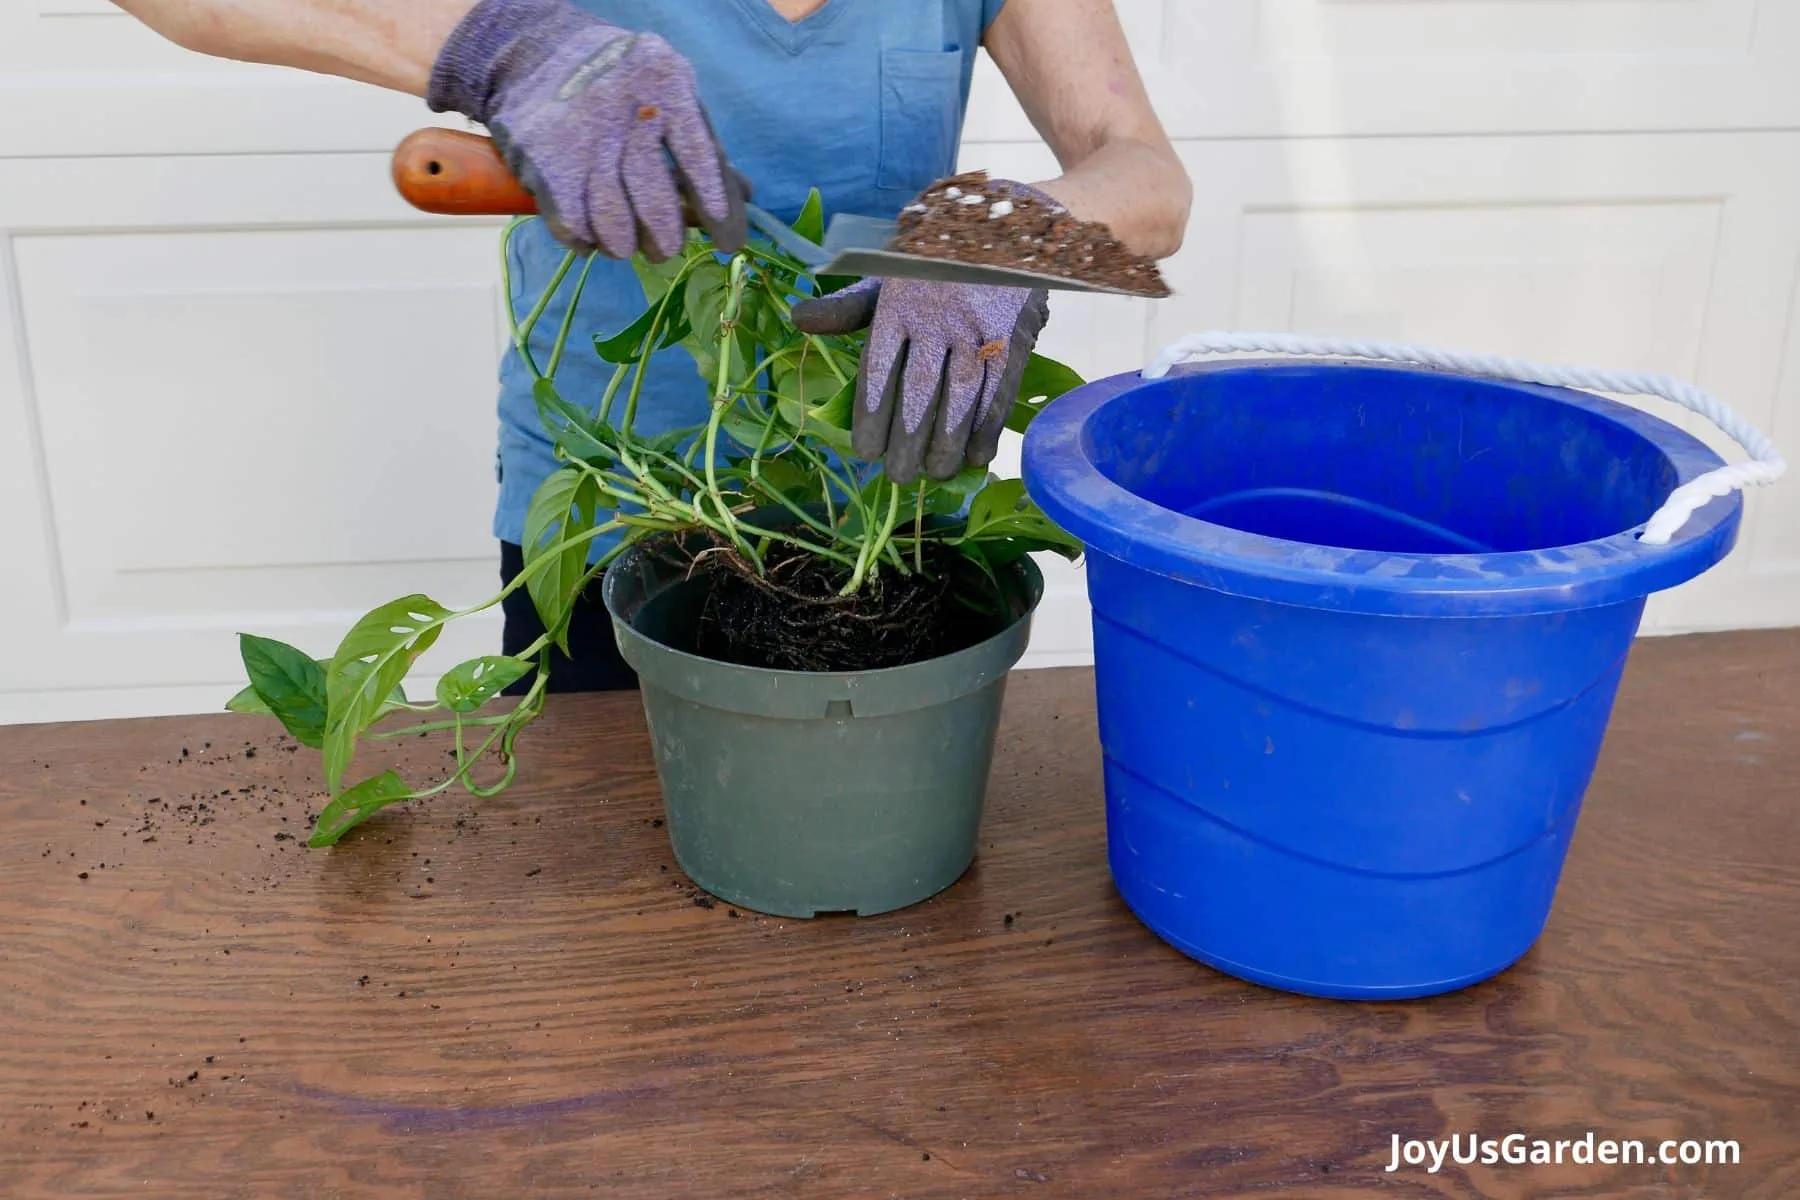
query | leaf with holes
(370,663)
(467,686)
(1044,380)
(1002,511)
(357,805)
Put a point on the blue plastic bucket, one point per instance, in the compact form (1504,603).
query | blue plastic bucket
(1357,634)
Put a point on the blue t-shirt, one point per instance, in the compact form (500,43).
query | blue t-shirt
(864,100)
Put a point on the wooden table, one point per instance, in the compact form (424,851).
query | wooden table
(526,998)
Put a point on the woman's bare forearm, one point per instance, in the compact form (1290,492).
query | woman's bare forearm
(1137,190)
(388,43)
(1070,66)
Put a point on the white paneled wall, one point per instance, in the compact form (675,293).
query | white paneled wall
(194,255)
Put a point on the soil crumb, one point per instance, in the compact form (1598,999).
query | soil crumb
(958,219)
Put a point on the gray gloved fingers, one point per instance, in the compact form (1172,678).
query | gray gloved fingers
(990,423)
(922,393)
(1000,390)
(728,224)
(655,205)
(840,312)
(614,225)
(694,146)
(966,374)
(878,387)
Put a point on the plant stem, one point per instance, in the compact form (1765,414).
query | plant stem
(723,400)
(568,321)
(919,533)
(522,332)
(439,726)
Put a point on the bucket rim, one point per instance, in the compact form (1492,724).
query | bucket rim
(1115,522)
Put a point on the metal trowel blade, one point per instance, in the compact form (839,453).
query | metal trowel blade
(857,245)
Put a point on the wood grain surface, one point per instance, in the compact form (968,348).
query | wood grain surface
(525,998)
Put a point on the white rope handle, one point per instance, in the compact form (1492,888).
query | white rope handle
(1766,464)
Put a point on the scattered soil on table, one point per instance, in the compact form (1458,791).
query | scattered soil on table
(962,218)
(791,617)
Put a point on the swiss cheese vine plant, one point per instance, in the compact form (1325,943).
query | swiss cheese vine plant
(768,479)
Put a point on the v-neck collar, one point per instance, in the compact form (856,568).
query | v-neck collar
(792,36)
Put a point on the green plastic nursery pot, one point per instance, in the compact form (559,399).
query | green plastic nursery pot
(796,793)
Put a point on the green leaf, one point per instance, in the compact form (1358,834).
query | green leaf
(290,684)
(947,498)
(745,427)
(1044,380)
(810,224)
(627,345)
(248,703)
(657,278)
(790,479)
(677,329)
(833,438)
(769,326)
(574,430)
(467,686)
(564,507)
(811,380)
(370,664)
(1002,511)
(356,671)
(703,306)
(704,301)
(668,443)
(357,805)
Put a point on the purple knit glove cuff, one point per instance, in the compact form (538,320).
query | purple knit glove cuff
(603,126)
(495,40)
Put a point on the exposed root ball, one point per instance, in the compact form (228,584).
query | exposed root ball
(791,617)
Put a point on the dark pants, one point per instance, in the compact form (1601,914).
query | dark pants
(592,664)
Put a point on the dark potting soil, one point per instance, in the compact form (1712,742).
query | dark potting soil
(792,618)
(958,219)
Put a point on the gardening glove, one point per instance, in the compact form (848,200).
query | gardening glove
(940,371)
(603,126)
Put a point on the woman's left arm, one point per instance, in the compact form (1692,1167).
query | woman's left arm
(1070,67)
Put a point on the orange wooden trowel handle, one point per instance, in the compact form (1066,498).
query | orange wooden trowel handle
(449,171)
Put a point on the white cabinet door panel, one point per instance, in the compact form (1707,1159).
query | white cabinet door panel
(1263,68)
(217,427)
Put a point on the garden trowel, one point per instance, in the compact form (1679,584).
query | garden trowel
(449,171)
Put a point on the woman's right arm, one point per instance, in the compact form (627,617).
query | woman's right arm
(388,43)
(604,126)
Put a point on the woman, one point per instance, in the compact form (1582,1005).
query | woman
(610,111)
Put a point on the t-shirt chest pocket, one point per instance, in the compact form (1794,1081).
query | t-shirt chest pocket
(921,117)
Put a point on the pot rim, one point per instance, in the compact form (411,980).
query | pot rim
(1033,585)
